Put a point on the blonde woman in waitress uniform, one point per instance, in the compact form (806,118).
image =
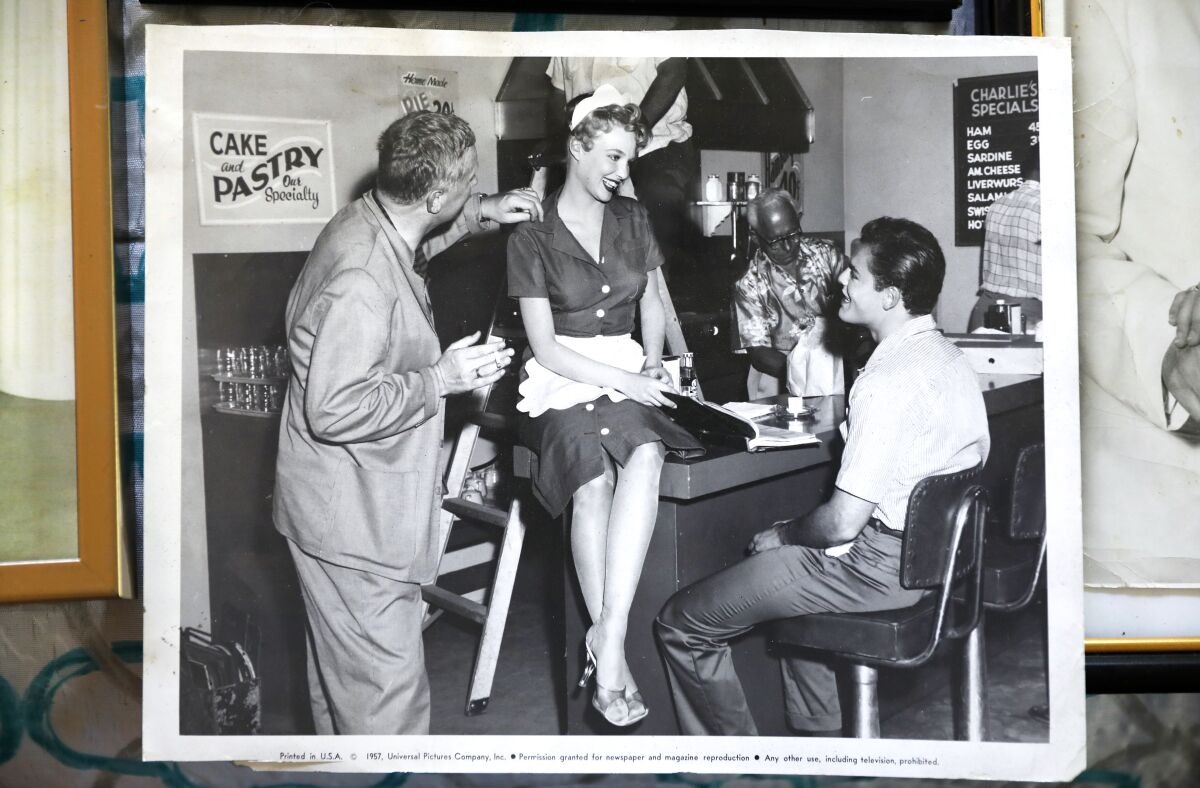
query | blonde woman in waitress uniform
(591,395)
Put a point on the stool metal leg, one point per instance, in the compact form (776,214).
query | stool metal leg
(866,701)
(971,723)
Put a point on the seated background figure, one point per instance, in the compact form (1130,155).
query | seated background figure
(780,304)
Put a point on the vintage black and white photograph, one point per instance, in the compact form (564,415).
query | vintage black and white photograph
(580,386)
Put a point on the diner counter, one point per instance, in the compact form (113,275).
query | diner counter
(722,468)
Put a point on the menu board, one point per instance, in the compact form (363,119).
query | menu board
(995,129)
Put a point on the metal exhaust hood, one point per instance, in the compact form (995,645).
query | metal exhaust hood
(748,104)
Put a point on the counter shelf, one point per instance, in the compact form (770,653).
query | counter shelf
(231,410)
(263,381)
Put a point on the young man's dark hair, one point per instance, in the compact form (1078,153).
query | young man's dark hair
(420,152)
(906,256)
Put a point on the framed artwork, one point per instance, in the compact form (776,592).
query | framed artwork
(1140,493)
(60,532)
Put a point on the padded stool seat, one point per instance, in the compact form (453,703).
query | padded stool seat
(1014,556)
(876,637)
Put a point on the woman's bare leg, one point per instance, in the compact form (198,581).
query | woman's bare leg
(631,523)
(590,514)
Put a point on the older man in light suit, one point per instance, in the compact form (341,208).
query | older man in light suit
(358,473)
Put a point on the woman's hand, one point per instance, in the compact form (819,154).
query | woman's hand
(1181,374)
(646,388)
(658,372)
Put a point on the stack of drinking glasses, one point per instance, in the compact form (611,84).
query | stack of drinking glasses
(252,379)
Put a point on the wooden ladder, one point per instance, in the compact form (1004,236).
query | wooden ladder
(489,606)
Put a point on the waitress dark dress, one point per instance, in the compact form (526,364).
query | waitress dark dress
(568,424)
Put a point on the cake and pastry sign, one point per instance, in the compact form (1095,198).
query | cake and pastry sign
(263,170)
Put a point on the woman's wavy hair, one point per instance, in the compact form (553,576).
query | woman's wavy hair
(420,152)
(602,120)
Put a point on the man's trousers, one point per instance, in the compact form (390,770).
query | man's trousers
(366,659)
(697,623)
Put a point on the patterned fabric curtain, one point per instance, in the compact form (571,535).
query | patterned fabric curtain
(36,317)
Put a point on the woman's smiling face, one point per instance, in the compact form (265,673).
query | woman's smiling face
(605,167)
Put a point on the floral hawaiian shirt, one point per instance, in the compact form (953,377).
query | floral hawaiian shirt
(774,308)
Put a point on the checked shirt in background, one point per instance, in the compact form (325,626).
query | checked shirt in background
(1012,243)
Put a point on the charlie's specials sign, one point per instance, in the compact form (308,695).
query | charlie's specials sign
(996,128)
(263,170)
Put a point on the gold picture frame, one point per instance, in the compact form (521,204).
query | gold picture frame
(101,566)
(1140,645)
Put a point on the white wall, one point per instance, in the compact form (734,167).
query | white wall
(824,178)
(360,95)
(899,156)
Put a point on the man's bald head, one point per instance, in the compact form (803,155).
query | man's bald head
(773,218)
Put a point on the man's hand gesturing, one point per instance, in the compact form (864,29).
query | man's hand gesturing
(466,366)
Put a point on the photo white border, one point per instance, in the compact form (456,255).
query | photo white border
(1062,757)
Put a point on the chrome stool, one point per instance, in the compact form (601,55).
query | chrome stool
(943,542)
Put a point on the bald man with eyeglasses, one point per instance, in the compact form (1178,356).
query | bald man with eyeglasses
(781,301)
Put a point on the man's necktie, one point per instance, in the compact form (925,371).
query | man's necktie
(420,263)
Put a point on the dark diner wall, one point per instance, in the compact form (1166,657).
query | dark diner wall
(360,96)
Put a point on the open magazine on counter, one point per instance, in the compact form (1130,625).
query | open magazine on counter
(723,423)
